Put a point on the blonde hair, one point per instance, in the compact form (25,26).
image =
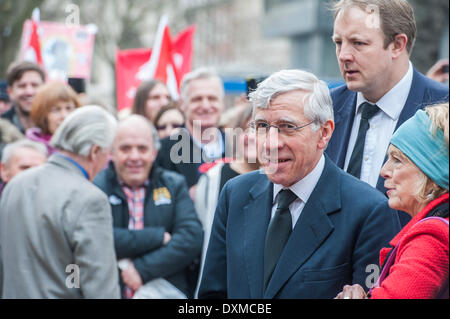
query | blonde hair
(438,115)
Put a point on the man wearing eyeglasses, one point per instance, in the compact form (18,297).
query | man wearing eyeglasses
(304,228)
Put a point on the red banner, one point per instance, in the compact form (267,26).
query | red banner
(130,62)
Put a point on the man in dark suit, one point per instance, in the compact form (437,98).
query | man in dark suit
(374,40)
(202,102)
(304,228)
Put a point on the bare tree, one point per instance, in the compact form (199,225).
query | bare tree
(13,14)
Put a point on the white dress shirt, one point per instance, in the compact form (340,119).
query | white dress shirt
(381,128)
(303,189)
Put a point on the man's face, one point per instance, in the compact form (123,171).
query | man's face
(204,103)
(23,90)
(22,159)
(133,153)
(365,64)
(286,159)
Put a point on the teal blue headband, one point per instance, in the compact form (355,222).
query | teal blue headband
(429,152)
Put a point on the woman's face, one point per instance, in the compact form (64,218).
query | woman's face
(58,113)
(169,123)
(157,98)
(402,181)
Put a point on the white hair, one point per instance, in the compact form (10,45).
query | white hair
(83,128)
(201,73)
(12,148)
(318,106)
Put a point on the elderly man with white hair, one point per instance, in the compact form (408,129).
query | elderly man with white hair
(19,156)
(301,227)
(55,226)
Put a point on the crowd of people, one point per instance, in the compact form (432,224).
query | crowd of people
(294,193)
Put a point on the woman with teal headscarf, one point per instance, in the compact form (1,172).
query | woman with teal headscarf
(417,177)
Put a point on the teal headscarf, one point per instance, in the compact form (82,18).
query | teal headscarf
(426,150)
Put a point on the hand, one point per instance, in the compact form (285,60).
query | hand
(352,292)
(131,277)
(167,238)
(436,72)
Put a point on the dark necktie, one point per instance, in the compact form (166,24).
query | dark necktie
(278,233)
(354,166)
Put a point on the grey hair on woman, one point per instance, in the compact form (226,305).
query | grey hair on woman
(85,127)
(318,106)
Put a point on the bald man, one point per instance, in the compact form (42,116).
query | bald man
(156,230)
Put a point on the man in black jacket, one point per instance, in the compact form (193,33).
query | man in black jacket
(202,102)
(156,229)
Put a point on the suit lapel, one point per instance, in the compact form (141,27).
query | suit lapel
(343,126)
(311,229)
(256,219)
(414,101)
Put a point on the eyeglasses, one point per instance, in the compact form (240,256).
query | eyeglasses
(262,128)
(163,127)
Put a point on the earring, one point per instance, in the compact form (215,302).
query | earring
(430,196)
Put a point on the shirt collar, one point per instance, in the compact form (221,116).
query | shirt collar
(122,183)
(215,146)
(304,187)
(77,165)
(393,101)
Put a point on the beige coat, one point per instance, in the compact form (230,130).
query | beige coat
(56,238)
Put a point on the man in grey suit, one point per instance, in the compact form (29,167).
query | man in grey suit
(55,226)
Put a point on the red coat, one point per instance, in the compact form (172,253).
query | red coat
(421,264)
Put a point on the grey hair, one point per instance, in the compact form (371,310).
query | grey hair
(156,141)
(11,148)
(318,106)
(201,73)
(83,128)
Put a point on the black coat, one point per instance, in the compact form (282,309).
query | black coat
(180,154)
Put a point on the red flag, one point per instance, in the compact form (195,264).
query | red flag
(33,50)
(128,63)
(182,49)
(169,63)
(160,65)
